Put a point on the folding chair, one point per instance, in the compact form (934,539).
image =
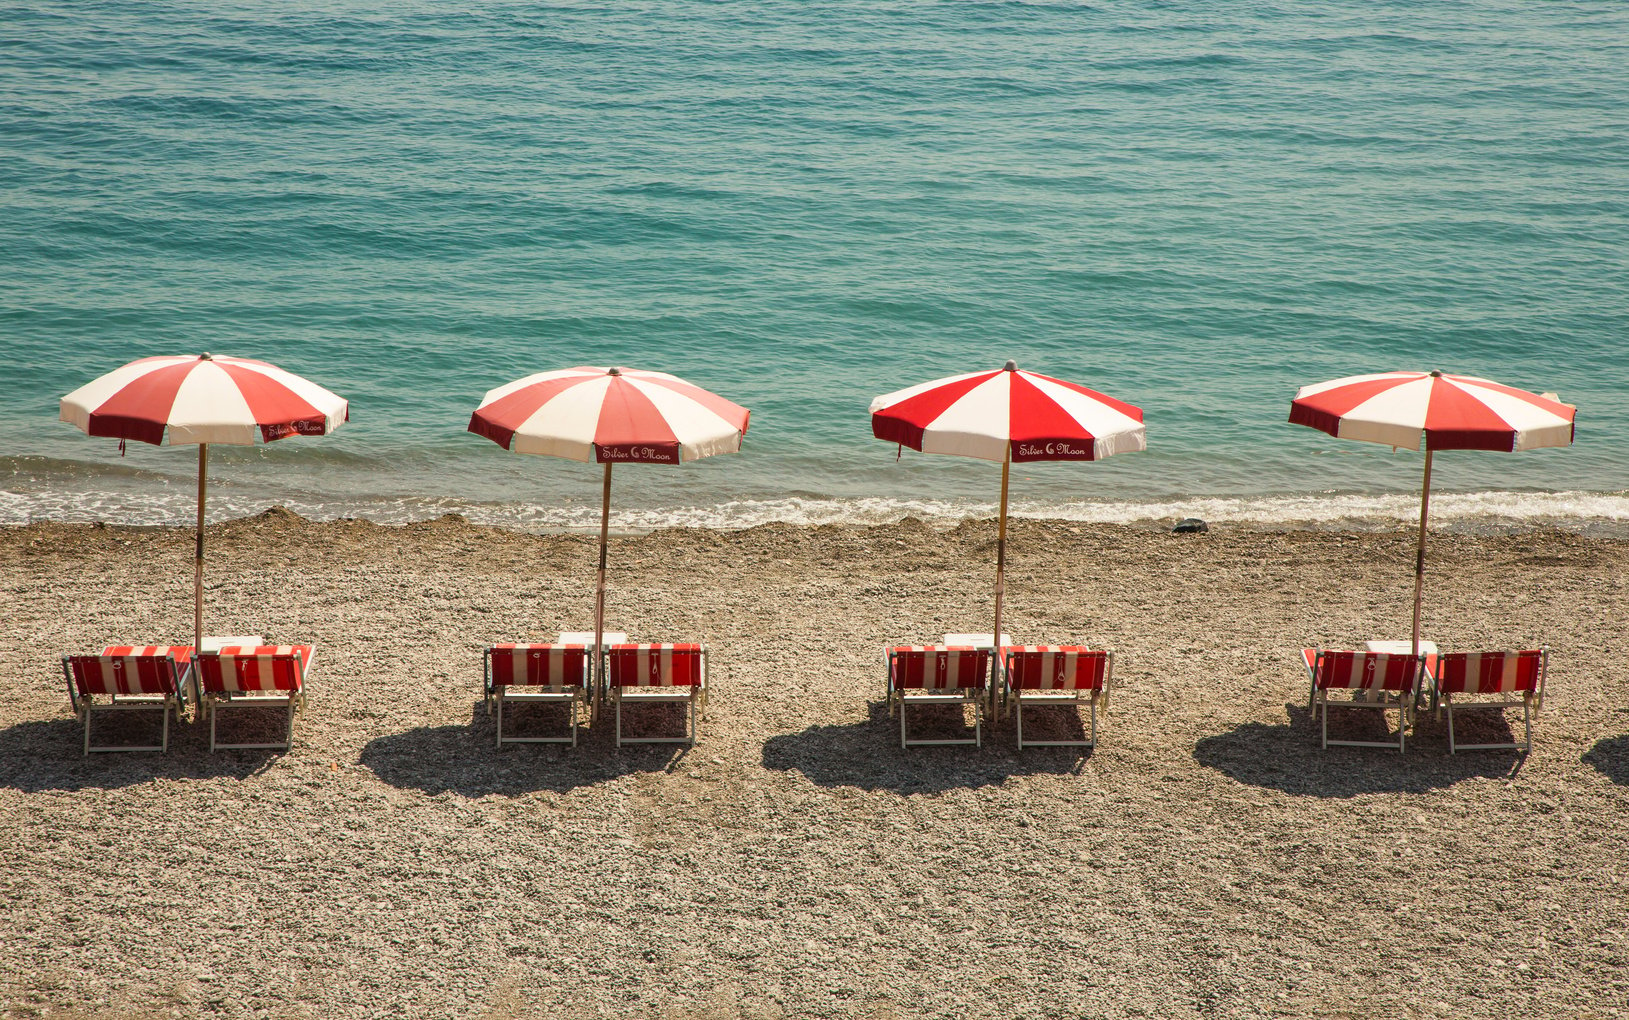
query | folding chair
(1503,674)
(537,673)
(646,673)
(937,674)
(131,677)
(266,676)
(1376,680)
(1057,675)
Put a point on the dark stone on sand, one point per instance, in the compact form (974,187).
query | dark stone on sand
(1189,525)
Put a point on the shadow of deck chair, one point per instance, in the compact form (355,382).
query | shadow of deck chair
(1504,675)
(267,676)
(937,675)
(1057,675)
(655,673)
(1379,681)
(131,677)
(548,673)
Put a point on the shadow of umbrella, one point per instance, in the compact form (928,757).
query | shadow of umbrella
(866,755)
(1610,757)
(45,755)
(1288,758)
(464,760)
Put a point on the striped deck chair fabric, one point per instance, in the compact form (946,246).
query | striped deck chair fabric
(537,672)
(937,674)
(258,677)
(130,677)
(1376,680)
(655,672)
(1515,679)
(1054,674)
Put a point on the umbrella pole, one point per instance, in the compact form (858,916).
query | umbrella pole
(1001,568)
(1419,555)
(599,585)
(198,557)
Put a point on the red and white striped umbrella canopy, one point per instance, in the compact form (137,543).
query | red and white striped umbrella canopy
(983,414)
(1452,412)
(203,399)
(610,415)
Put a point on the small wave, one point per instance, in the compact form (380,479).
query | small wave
(1590,512)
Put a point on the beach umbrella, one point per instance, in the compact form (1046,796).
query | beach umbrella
(1008,416)
(1445,412)
(202,399)
(614,416)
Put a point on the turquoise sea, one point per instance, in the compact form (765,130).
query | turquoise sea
(1196,208)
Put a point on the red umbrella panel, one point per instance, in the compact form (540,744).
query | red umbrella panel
(203,399)
(1444,412)
(1008,415)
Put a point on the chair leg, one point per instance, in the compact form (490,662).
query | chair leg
(1324,712)
(902,743)
(288,734)
(88,714)
(1094,718)
(1019,709)
(978,722)
(500,720)
(616,698)
(1448,704)
(1527,723)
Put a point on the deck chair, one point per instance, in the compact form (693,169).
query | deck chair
(653,673)
(1505,675)
(1057,675)
(1375,680)
(537,673)
(266,676)
(131,677)
(937,674)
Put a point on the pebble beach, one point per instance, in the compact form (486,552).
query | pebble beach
(1207,859)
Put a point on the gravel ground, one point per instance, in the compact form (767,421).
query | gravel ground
(1207,860)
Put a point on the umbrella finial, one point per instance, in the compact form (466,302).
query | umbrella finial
(613,371)
(1010,366)
(206,356)
(1436,374)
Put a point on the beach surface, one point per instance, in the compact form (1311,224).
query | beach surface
(1206,860)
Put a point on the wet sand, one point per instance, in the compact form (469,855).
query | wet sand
(1206,860)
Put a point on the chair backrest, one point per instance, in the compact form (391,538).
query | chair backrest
(1056,668)
(266,668)
(656,665)
(128,669)
(938,667)
(1503,672)
(1370,671)
(553,666)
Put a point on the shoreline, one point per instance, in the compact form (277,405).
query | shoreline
(1207,858)
(1597,514)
